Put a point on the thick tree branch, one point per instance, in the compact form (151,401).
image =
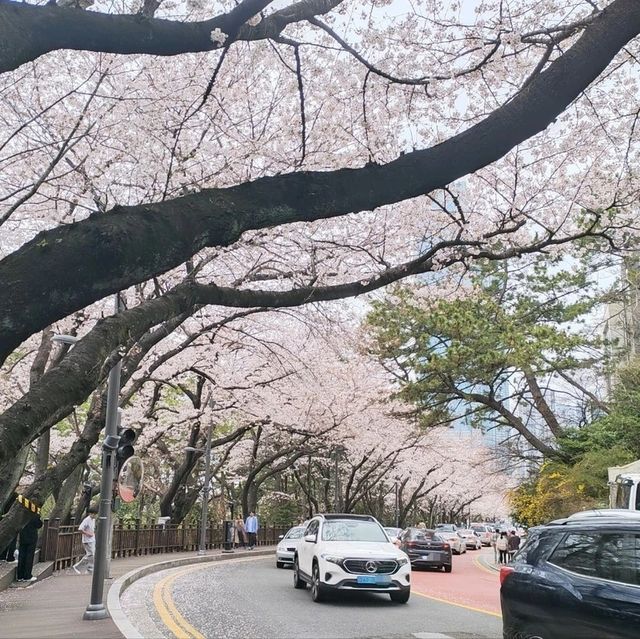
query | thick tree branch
(112,251)
(28,31)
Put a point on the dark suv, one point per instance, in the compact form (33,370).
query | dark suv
(576,578)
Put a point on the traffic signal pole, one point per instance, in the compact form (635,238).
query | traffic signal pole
(96,608)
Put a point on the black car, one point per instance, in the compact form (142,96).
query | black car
(426,548)
(576,578)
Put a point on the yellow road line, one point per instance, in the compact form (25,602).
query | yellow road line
(453,603)
(166,607)
(483,567)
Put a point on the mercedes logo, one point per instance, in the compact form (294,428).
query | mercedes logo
(371,566)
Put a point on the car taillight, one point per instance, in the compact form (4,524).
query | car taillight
(411,544)
(446,546)
(505,571)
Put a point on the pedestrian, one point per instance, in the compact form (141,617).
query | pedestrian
(8,554)
(252,526)
(494,538)
(503,548)
(88,528)
(514,543)
(27,549)
(239,534)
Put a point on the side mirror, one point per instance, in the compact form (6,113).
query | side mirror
(281,537)
(310,538)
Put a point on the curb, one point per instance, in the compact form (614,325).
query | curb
(117,589)
(487,564)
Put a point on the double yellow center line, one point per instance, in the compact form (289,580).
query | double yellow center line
(166,606)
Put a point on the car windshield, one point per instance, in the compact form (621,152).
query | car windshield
(352,530)
(423,535)
(295,533)
(446,527)
(393,532)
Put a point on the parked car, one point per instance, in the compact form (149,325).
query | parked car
(457,543)
(484,532)
(287,545)
(446,527)
(426,548)
(577,577)
(470,538)
(393,534)
(350,552)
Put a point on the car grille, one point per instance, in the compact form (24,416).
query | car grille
(291,549)
(359,566)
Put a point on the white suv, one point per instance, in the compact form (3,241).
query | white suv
(350,552)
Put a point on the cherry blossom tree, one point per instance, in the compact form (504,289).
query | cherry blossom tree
(215,160)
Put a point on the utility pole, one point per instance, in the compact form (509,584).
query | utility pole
(205,494)
(96,608)
(336,504)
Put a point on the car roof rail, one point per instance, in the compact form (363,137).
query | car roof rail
(600,515)
(334,516)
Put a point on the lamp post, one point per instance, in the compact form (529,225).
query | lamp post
(96,608)
(205,490)
(397,504)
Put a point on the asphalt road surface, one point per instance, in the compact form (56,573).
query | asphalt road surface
(251,598)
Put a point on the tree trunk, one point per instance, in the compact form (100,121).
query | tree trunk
(66,496)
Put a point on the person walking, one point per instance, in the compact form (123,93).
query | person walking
(513,543)
(88,528)
(27,549)
(503,548)
(252,526)
(239,534)
(494,538)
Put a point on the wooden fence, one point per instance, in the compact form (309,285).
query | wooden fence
(63,544)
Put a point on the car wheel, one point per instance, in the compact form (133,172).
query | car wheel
(533,631)
(317,591)
(447,568)
(298,583)
(400,597)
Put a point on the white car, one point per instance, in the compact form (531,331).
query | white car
(350,552)
(471,538)
(287,546)
(457,543)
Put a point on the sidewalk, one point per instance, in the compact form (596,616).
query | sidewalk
(53,607)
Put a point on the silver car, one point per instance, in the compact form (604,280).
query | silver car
(287,546)
(471,538)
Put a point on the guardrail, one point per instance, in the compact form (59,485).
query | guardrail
(63,544)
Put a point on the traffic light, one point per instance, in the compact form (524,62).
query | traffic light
(125,446)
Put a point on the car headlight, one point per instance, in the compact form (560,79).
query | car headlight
(334,559)
(402,561)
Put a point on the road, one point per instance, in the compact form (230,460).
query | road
(251,598)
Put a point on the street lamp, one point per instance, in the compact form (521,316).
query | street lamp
(96,608)
(205,489)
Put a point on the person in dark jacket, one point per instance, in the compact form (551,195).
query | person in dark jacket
(27,549)
(8,553)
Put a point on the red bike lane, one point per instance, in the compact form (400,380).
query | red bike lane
(469,584)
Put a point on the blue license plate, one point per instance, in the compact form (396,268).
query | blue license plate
(373,579)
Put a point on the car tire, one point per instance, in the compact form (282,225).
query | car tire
(447,568)
(533,631)
(400,597)
(298,583)
(317,591)
(279,564)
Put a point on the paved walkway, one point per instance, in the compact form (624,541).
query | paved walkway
(53,607)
